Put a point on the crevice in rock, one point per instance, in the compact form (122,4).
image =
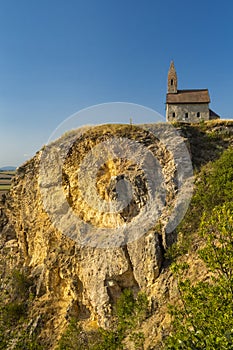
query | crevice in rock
(126,252)
(77,310)
(162,251)
(25,242)
(172,239)
(116,284)
(161,245)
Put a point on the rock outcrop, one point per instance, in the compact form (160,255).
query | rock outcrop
(74,275)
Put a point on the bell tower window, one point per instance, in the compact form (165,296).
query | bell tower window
(172,81)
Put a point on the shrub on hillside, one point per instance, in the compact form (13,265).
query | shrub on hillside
(204,321)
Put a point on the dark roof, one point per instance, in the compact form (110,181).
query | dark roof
(213,115)
(189,96)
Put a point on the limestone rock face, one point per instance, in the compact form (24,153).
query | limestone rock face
(82,277)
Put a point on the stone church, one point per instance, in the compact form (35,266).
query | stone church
(189,106)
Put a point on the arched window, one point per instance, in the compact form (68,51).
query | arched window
(172,81)
(198,114)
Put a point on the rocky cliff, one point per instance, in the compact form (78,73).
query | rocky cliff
(79,269)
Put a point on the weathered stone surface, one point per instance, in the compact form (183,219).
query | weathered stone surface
(192,113)
(83,280)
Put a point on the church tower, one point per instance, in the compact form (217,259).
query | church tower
(172,80)
(189,106)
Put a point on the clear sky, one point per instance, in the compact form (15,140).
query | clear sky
(59,56)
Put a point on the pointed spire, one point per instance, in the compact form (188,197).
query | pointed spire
(172,66)
(172,79)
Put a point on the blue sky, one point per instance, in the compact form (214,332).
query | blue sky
(60,56)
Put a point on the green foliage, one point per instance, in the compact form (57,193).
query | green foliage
(72,338)
(27,341)
(14,304)
(213,187)
(110,340)
(3,342)
(130,311)
(129,314)
(20,284)
(204,321)
(218,234)
(12,312)
(138,339)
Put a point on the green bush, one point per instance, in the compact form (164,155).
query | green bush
(20,284)
(28,342)
(12,312)
(14,304)
(213,187)
(129,314)
(205,319)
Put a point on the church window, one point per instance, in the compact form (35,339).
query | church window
(186,115)
(172,81)
(198,114)
(174,114)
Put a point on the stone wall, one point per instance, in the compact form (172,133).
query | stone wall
(180,111)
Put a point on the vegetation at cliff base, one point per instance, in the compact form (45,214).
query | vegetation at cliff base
(14,306)
(130,312)
(213,187)
(204,318)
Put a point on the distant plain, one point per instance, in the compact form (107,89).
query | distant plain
(5,181)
